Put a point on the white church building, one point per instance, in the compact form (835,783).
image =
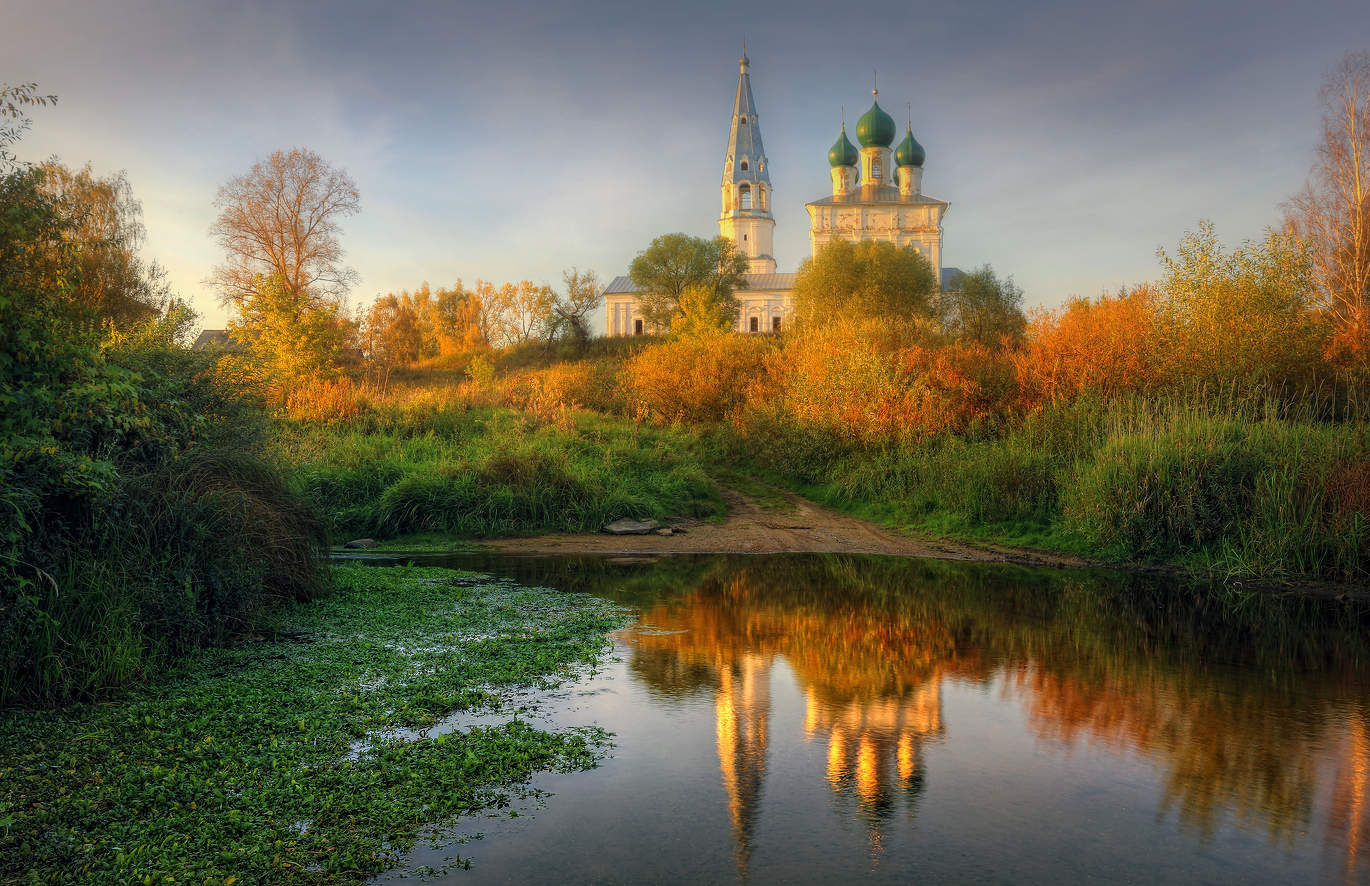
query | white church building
(877,194)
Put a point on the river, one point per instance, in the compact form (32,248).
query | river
(827,718)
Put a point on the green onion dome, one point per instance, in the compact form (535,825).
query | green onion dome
(842,152)
(875,128)
(909,152)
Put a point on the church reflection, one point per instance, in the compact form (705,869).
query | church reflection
(872,650)
(871,694)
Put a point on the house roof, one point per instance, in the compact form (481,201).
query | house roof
(216,338)
(624,285)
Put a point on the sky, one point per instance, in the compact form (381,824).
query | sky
(511,140)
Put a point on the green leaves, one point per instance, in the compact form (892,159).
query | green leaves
(237,763)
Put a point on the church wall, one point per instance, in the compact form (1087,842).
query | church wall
(766,307)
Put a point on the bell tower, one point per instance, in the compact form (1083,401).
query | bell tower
(746,189)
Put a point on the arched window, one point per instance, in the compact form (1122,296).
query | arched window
(745,197)
(761,193)
(742,120)
(743,165)
(875,170)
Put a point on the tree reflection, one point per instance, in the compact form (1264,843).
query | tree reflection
(1249,711)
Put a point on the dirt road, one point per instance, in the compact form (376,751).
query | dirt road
(788,524)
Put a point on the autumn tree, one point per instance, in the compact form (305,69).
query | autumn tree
(866,280)
(282,220)
(103,236)
(1239,316)
(984,308)
(1332,213)
(291,335)
(393,334)
(570,312)
(675,262)
(515,312)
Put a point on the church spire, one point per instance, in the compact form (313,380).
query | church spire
(746,188)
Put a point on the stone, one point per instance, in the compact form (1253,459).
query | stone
(356,543)
(627,526)
(664,531)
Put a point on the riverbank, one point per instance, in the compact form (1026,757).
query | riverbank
(775,521)
(308,752)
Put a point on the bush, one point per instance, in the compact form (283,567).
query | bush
(696,380)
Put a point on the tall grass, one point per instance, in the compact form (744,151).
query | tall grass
(482,472)
(1233,488)
(174,558)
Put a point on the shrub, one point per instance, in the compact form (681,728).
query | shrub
(696,380)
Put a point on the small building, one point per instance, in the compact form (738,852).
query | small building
(877,194)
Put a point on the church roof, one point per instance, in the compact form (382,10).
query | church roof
(744,137)
(874,194)
(624,285)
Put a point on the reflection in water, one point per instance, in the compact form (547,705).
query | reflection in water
(870,644)
(869,695)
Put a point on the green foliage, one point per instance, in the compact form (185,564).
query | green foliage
(485,473)
(674,263)
(291,334)
(276,760)
(122,534)
(866,280)
(13,102)
(1229,489)
(703,311)
(481,370)
(984,309)
(1243,316)
(102,238)
(1152,496)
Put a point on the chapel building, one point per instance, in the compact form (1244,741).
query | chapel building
(877,194)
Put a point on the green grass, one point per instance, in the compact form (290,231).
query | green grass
(1248,491)
(174,558)
(236,763)
(486,472)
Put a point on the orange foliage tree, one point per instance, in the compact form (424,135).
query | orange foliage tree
(1102,347)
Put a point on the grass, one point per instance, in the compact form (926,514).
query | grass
(174,558)
(479,473)
(1237,493)
(234,766)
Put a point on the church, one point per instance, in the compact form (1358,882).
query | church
(877,194)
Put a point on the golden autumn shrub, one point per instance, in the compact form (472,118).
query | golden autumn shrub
(873,381)
(696,380)
(1101,347)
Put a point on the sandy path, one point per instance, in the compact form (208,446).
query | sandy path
(802,526)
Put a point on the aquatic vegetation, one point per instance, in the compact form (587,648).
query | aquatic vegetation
(233,767)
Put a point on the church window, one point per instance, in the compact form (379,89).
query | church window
(875,169)
(743,120)
(745,197)
(755,325)
(637,327)
(761,192)
(744,164)
(775,324)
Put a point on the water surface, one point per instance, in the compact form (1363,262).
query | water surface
(797,718)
